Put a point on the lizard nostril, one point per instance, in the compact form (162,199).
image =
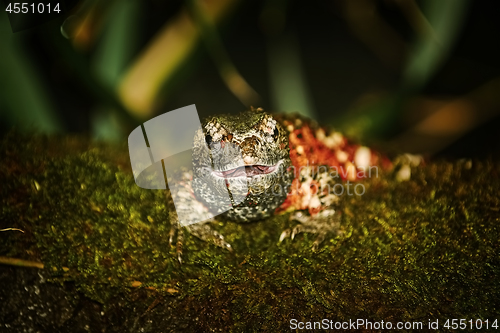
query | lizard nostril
(208,139)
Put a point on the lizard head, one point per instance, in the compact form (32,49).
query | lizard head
(246,156)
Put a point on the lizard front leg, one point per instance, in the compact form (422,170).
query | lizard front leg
(320,224)
(202,230)
(315,196)
(196,219)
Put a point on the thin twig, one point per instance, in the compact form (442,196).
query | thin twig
(14,229)
(20,262)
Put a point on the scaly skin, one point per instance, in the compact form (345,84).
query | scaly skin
(251,148)
(289,164)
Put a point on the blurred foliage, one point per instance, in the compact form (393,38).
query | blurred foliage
(23,97)
(111,65)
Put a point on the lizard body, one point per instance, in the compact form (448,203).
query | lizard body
(289,164)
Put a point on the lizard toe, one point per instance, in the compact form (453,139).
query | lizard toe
(286,233)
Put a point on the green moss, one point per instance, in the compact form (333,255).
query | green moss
(422,249)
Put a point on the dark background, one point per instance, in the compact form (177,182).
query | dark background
(351,66)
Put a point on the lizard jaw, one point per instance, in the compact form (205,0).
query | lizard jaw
(248,171)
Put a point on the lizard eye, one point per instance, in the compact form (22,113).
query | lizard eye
(208,139)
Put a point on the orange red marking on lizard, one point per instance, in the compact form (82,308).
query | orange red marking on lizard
(309,149)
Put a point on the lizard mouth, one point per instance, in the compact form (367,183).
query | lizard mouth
(247,171)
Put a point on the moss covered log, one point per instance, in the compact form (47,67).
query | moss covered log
(426,248)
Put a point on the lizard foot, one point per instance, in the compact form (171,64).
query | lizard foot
(177,229)
(319,224)
(205,232)
(201,230)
